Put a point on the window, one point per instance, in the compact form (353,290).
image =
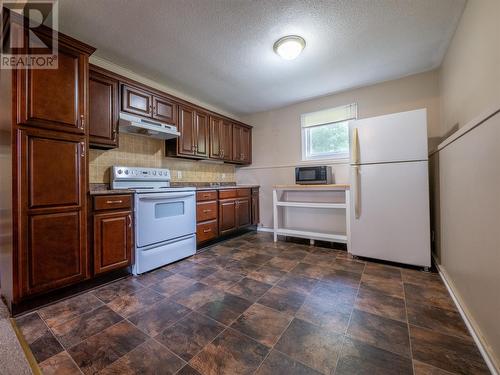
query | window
(325,134)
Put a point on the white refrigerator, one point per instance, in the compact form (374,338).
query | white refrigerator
(389,217)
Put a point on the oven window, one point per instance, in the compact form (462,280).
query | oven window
(170,209)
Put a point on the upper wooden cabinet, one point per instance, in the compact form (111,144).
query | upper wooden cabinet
(194,139)
(55,99)
(148,104)
(103,109)
(164,110)
(220,139)
(242,144)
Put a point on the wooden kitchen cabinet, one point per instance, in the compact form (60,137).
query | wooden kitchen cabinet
(207,227)
(103,109)
(164,110)
(243,217)
(112,241)
(148,104)
(137,101)
(255,206)
(220,139)
(194,138)
(52,226)
(241,144)
(112,236)
(227,216)
(55,99)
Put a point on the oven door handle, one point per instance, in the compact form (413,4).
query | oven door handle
(167,196)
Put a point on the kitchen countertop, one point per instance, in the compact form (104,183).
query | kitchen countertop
(103,189)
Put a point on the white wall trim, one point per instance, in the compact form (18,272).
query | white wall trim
(299,164)
(469,126)
(469,322)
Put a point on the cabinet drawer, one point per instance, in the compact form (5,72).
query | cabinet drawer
(227,193)
(206,231)
(243,192)
(206,211)
(206,195)
(112,202)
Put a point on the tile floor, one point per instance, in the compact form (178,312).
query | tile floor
(251,306)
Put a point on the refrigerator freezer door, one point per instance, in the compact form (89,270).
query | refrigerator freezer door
(391,138)
(391,202)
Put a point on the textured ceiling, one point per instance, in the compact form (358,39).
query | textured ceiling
(220,51)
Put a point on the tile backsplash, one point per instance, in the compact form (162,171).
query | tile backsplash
(136,151)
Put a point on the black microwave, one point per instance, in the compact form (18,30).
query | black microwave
(313,175)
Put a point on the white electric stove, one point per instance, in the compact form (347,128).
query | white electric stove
(164,216)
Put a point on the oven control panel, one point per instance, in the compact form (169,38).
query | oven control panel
(139,173)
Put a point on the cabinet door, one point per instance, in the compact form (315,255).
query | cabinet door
(243,212)
(112,241)
(236,141)
(246,145)
(201,137)
(187,128)
(54,98)
(226,140)
(215,137)
(255,208)
(137,101)
(227,216)
(164,110)
(53,245)
(103,111)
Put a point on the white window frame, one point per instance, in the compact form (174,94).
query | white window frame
(321,118)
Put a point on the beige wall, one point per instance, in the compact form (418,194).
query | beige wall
(135,151)
(277,135)
(468,176)
(470,73)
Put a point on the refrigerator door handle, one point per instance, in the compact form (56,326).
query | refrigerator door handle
(357,195)
(355,147)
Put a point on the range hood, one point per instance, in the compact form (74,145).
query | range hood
(147,128)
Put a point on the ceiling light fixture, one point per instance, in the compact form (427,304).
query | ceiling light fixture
(289,47)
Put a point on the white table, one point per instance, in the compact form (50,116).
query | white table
(280,202)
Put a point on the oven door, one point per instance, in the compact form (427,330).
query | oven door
(164,216)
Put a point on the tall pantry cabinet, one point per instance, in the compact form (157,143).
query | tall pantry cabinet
(48,111)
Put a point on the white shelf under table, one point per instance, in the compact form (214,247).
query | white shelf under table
(311,235)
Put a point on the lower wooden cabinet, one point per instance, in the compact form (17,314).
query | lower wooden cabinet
(220,212)
(112,238)
(255,206)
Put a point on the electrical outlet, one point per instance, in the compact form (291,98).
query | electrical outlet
(223,176)
(179,174)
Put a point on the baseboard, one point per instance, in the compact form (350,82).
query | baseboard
(473,330)
(265,229)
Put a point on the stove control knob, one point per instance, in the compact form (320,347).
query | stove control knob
(154,173)
(126,172)
(160,173)
(120,171)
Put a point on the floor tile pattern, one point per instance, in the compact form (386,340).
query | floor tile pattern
(252,306)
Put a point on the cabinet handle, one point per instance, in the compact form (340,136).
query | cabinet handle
(207,230)
(129,221)
(82,122)
(82,149)
(206,195)
(206,211)
(114,202)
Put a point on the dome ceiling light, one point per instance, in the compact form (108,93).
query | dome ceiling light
(289,47)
